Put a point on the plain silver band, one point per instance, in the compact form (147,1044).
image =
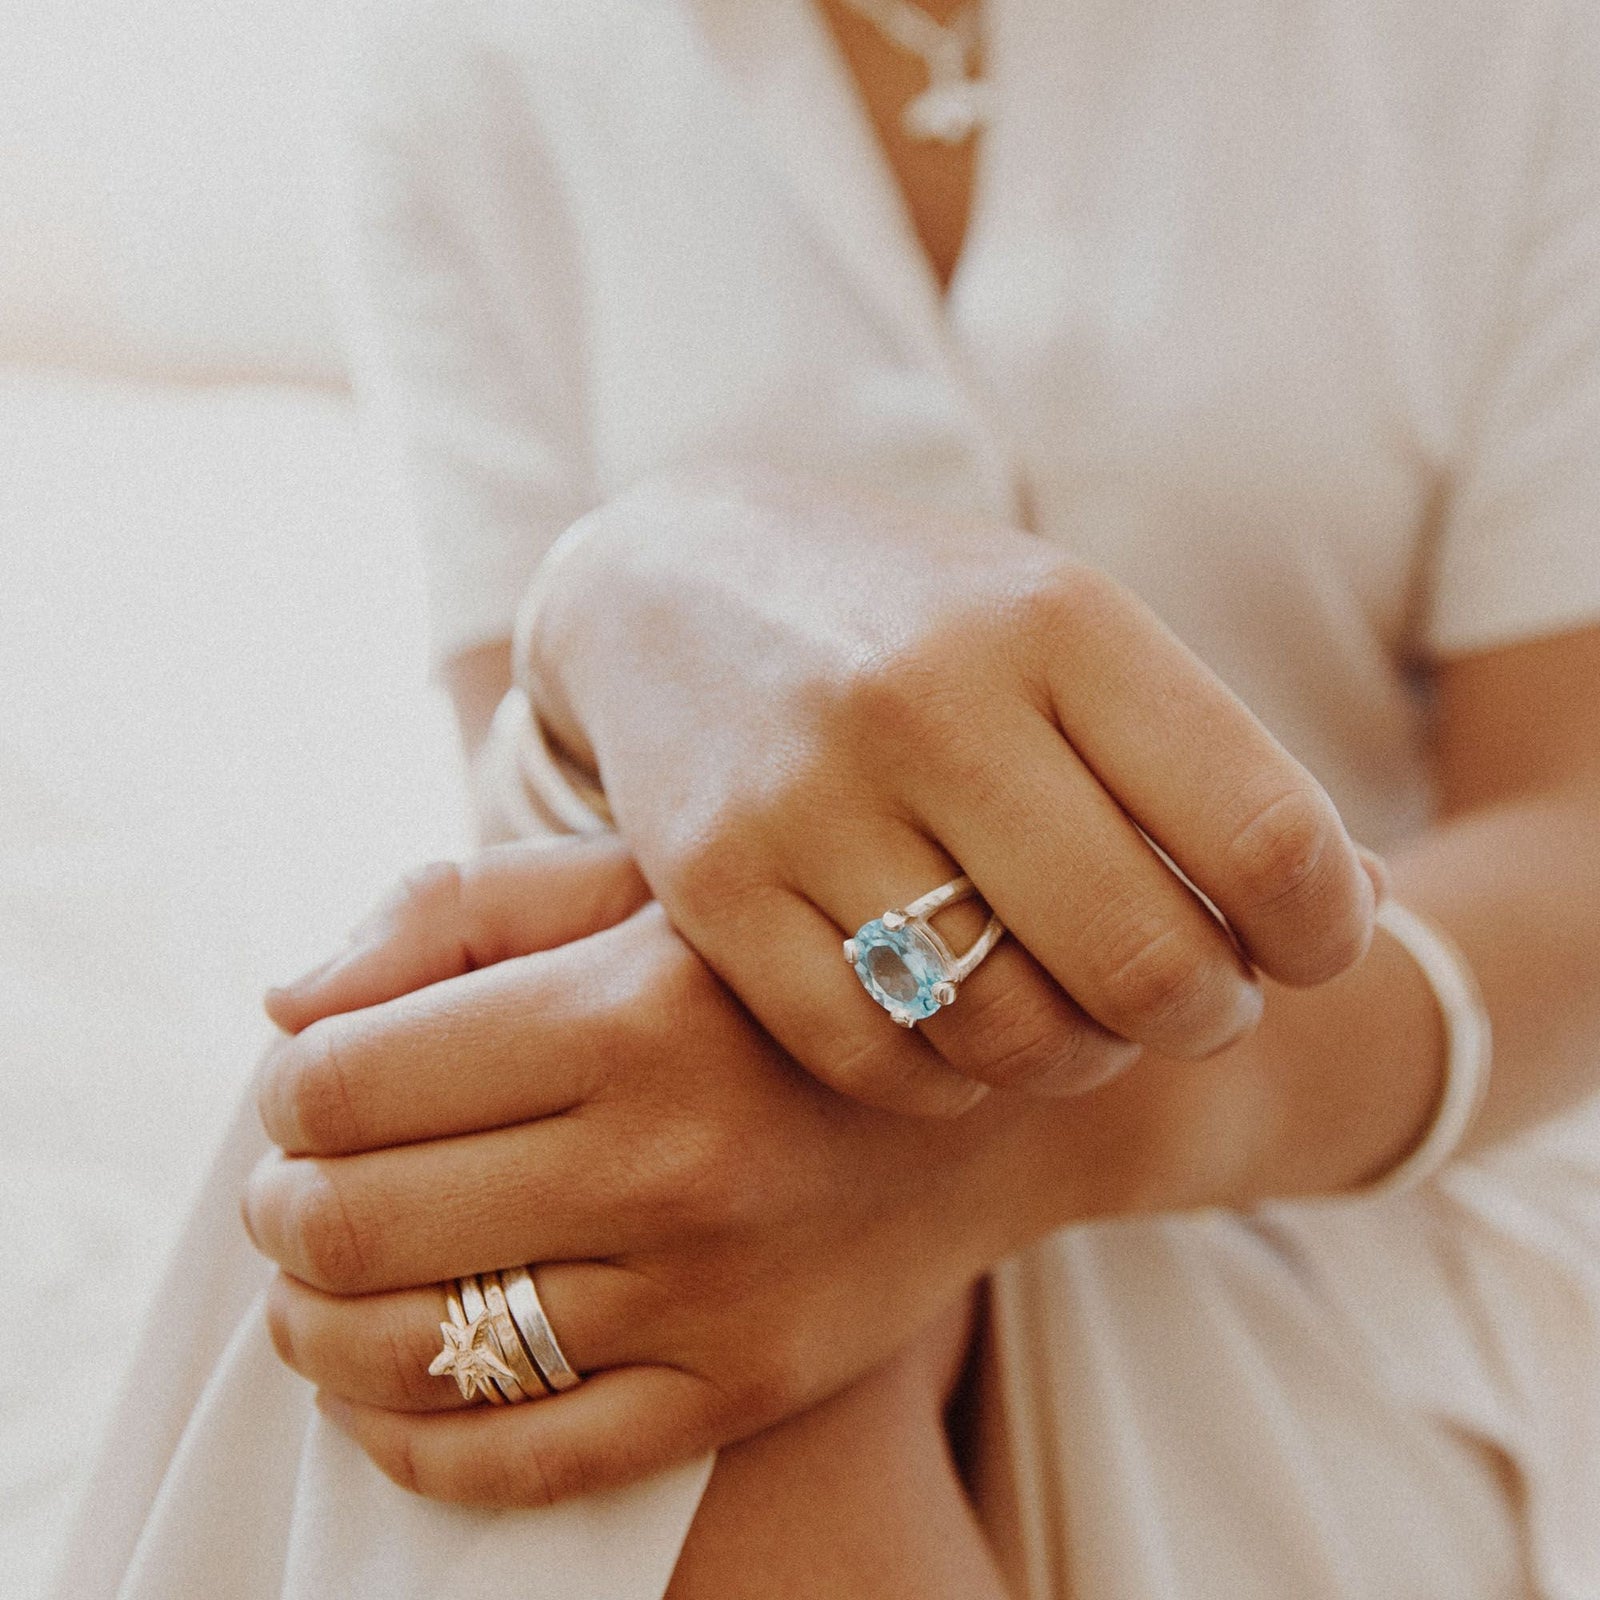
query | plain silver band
(534,1326)
(475,1306)
(1469,1045)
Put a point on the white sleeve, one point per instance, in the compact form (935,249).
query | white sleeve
(463,312)
(1519,551)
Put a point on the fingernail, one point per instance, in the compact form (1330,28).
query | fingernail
(370,931)
(244,1218)
(269,1193)
(1248,1005)
(367,934)
(339,1412)
(308,979)
(1377,870)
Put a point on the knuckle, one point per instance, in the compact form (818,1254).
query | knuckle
(494,1479)
(316,1087)
(1013,1038)
(535,1477)
(676,983)
(1067,595)
(1069,588)
(776,1388)
(403,1365)
(435,886)
(691,1184)
(1277,858)
(1013,1057)
(709,872)
(901,698)
(1158,984)
(909,1079)
(525,1477)
(331,1243)
(646,1006)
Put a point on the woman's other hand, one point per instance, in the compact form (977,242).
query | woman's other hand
(807,711)
(720,1241)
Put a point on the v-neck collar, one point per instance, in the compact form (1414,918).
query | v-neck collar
(787,70)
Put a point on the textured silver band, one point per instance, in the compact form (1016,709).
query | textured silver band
(512,1347)
(476,1306)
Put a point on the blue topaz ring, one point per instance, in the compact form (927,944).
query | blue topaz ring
(903,963)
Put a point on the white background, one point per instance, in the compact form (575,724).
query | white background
(216,739)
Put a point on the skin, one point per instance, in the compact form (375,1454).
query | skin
(936,179)
(654,1139)
(882,706)
(649,1136)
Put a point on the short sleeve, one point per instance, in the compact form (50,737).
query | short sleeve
(1519,551)
(456,269)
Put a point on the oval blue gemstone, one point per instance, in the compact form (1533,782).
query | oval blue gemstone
(899,968)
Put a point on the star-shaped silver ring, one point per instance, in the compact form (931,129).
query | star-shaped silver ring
(470,1356)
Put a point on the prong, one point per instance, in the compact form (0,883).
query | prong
(850,951)
(944,993)
(904,1019)
(894,921)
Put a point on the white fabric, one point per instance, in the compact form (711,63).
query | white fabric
(217,745)
(160,184)
(1287,319)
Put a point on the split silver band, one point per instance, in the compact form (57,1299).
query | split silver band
(903,962)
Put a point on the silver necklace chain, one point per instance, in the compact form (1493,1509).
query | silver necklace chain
(956,102)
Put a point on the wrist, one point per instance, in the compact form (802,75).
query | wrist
(554,627)
(1334,1089)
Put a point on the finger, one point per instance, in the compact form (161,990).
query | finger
(611,1431)
(1079,885)
(1190,764)
(782,957)
(514,1042)
(396,1219)
(450,918)
(1012,1025)
(375,1350)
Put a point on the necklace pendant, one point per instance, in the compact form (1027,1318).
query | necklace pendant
(947,113)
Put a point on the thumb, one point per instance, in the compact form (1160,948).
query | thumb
(451,918)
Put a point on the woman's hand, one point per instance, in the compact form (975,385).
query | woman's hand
(720,1241)
(808,711)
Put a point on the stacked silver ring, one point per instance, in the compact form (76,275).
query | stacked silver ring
(499,1342)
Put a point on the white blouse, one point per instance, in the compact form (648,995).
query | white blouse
(1287,316)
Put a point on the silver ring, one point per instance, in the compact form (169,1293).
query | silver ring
(470,1354)
(476,1306)
(511,1344)
(903,963)
(534,1326)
